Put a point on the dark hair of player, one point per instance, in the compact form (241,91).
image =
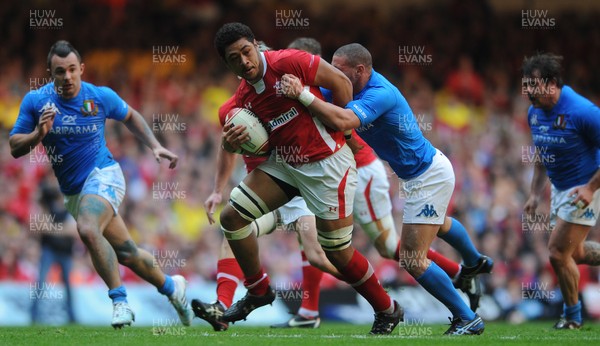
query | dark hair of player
(547,64)
(355,54)
(229,33)
(62,48)
(307,44)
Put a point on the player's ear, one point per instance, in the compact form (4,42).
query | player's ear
(82,67)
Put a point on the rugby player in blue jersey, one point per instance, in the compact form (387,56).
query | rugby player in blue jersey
(383,118)
(565,128)
(67,116)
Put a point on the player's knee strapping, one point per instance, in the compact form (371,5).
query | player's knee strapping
(238,234)
(265,224)
(376,228)
(335,240)
(247,203)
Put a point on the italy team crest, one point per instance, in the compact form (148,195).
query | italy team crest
(89,108)
(560,122)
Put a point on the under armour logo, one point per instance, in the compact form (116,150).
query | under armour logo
(332,209)
(428,211)
(248,105)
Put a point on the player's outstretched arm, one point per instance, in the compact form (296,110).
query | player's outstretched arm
(225,165)
(339,119)
(138,126)
(22,143)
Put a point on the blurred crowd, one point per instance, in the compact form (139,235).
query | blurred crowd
(465,92)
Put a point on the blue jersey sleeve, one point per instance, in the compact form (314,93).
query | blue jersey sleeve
(116,108)
(371,105)
(588,123)
(27,120)
(327,95)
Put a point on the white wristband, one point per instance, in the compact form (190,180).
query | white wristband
(306,97)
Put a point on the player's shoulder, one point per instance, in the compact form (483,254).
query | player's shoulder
(578,105)
(38,96)
(98,90)
(284,57)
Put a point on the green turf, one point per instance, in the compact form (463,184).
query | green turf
(329,334)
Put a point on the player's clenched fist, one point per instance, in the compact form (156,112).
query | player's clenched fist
(291,86)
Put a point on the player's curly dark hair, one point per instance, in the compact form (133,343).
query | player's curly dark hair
(229,33)
(62,48)
(547,64)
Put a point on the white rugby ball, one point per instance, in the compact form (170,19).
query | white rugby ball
(259,137)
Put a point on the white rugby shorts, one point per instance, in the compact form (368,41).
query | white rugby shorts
(428,195)
(560,205)
(327,185)
(372,197)
(108,183)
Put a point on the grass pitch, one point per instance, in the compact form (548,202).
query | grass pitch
(496,333)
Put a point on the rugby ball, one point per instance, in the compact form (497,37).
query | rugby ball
(259,137)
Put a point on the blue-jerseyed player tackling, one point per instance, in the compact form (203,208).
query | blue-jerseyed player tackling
(67,116)
(383,118)
(565,128)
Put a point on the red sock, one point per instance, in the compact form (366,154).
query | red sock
(257,284)
(360,270)
(450,267)
(311,280)
(229,275)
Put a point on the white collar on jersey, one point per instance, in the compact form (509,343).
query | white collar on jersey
(259,86)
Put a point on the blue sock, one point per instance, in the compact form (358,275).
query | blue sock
(573,313)
(459,239)
(168,287)
(438,284)
(118,294)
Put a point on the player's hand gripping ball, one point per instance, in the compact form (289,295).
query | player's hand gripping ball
(258,143)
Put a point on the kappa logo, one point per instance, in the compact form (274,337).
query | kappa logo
(110,191)
(428,211)
(588,214)
(534,120)
(49,106)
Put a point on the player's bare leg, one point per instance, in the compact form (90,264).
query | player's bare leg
(416,239)
(589,254)
(94,215)
(144,265)
(567,239)
(138,260)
